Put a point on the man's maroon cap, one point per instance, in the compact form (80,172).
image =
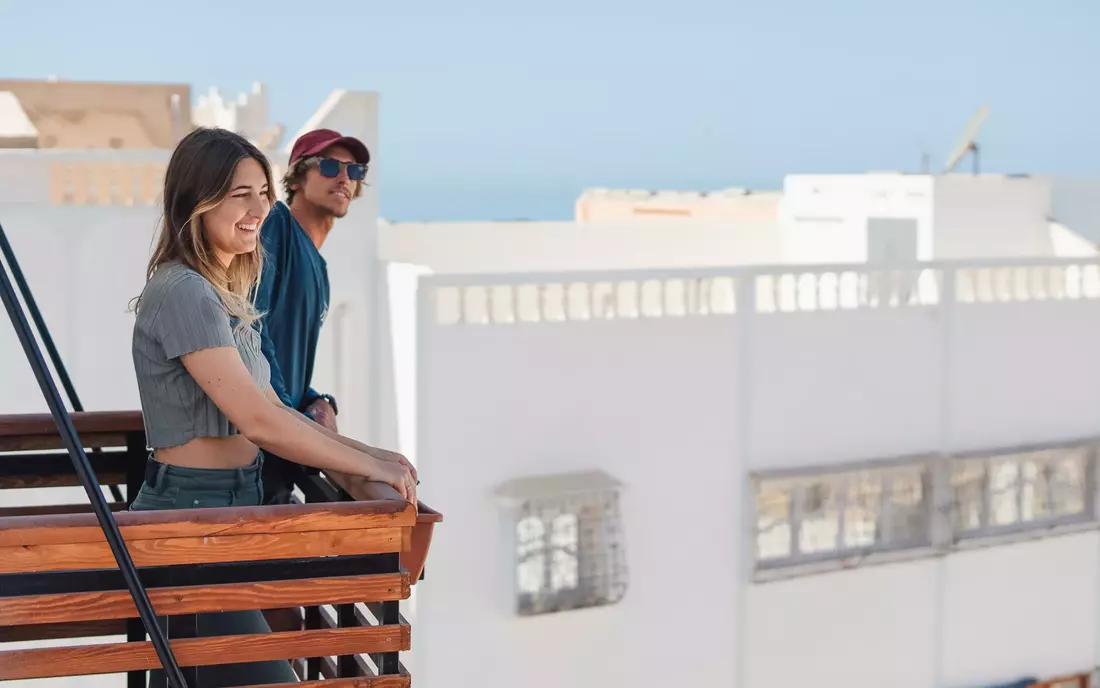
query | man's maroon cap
(319,139)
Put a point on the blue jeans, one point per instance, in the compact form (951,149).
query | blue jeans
(173,487)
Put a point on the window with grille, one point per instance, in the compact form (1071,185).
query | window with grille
(825,516)
(1007,492)
(568,543)
(933,503)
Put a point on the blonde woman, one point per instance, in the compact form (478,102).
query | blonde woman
(204,384)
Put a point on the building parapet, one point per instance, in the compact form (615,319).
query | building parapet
(560,297)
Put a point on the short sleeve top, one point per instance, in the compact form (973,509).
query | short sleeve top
(181,312)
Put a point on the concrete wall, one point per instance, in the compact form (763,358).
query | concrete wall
(825,217)
(681,402)
(991,216)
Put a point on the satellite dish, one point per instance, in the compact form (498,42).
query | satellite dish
(967,141)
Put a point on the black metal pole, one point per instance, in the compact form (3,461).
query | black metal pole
(44,333)
(87,478)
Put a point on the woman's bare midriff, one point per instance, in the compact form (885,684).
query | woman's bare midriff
(210,452)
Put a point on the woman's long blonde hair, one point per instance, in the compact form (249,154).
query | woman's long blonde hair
(198,179)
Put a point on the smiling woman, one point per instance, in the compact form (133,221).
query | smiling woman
(203,380)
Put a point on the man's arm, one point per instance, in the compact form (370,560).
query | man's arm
(270,238)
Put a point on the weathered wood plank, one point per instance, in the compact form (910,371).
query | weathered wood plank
(16,482)
(54,631)
(201,550)
(23,424)
(100,440)
(117,604)
(86,660)
(26,531)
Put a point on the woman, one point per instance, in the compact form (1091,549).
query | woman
(203,383)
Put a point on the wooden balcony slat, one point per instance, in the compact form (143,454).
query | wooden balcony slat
(24,531)
(85,422)
(18,482)
(117,604)
(52,510)
(63,629)
(400,681)
(119,657)
(202,550)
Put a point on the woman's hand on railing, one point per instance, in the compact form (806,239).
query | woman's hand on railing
(394,457)
(397,475)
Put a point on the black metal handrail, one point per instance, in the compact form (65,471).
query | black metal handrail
(87,477)
(44,334)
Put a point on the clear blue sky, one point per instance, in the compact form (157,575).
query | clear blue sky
(504,108)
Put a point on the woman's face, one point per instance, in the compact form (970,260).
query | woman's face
(233,226)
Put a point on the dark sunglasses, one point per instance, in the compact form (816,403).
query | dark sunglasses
(330,167)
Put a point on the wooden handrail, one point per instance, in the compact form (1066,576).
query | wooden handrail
(362,489)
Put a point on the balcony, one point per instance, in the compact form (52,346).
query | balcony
(329,571)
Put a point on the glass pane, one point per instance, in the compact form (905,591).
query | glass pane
(820,519)
(563,570)
(1034,475)
(908,507)
(529,532)
(563,532)
(861,510)
(1004,489)
(773,527)
(1068,483)
(530,572)
(531,566)
(967,482)
(563,559)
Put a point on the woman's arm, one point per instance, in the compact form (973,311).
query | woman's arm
(376,452)
(221,373)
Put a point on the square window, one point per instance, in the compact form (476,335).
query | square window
(568,543)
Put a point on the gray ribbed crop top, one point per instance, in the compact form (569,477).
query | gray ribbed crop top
(180,312)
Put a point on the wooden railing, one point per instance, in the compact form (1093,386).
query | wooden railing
(1071,681)
(351,545)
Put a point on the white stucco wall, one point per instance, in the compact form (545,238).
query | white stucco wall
(825,216)
(682,408)
(991,216)
(1075,202)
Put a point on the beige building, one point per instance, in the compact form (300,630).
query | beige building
(604,206)
(84,114)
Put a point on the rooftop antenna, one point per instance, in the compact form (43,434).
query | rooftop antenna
(967,142)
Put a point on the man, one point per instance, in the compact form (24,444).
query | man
(325,172)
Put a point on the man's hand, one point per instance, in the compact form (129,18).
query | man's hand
(321,413)
(394,457)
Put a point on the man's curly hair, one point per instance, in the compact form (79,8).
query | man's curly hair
(296,175)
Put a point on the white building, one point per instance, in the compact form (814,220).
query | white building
(850,444)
